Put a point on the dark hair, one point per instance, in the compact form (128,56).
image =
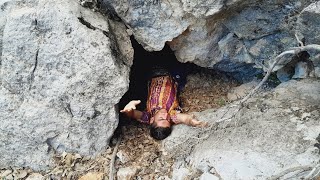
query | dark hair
(159,133)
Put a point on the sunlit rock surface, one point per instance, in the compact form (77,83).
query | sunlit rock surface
(62,74)
(238,37)
(274,131)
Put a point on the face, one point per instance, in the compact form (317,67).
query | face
(161,118)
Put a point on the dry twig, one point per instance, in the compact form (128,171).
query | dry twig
(113,159)
(314,173)
(300,169)
(294,51)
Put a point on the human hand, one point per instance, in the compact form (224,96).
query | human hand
(196,123)
(190,120)
(130,106)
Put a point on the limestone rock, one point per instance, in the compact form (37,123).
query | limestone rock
(239,37)
(123,156)
(126,173)
(180,173)
(208,176)
(241,91)
(92,176)
(259,141)
(302,70)
(35,176)
(153,22)
(6,173)
(62,74)
(308,23)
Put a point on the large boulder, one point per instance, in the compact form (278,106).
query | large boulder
(273,132)
(63,71)
(239,37)
(308,23)
(153,22)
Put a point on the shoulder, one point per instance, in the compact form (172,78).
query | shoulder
(145,118)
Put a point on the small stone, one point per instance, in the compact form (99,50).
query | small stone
(77,156)
(305,116)
(208,176)
(295,108)
(123,157)
(64,154)
(301,70)
(68,159)
(126,173)
(35,176)
(22,174)
(9,177)
(92,176)
(181,173)
(6,173)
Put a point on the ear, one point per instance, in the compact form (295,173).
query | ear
(151,120)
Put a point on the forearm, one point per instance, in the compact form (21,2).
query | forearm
(183,119)
(190,120)
(135,114)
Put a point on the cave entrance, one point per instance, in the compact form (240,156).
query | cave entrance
(201,88)
(140,70)
(204,89)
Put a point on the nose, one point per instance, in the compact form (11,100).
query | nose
(164,115)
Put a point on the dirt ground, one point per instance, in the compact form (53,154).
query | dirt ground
(137,150)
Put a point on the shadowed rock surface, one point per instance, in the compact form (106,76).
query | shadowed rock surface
(232,36)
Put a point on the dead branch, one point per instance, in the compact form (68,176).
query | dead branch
(290,170)
(294,51)
(113,159)
(299,41)
(314,173)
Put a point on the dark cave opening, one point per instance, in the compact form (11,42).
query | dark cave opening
(140,70)
(200,88)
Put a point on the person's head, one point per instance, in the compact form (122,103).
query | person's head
(160,125)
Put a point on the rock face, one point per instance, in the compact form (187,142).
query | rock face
(63,71)
(233,36)
(275,131)
(308,23)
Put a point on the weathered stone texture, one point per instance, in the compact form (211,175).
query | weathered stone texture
(273,132)
(62,74)
(308,23)
(233,36)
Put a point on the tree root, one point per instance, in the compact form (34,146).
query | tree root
(314,173)
(294,51)
(300,169)
(113,159)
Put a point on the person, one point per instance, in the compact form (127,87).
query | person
(162,107)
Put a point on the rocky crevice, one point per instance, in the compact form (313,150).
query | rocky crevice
(34,68)
(85,59)
(86,23)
